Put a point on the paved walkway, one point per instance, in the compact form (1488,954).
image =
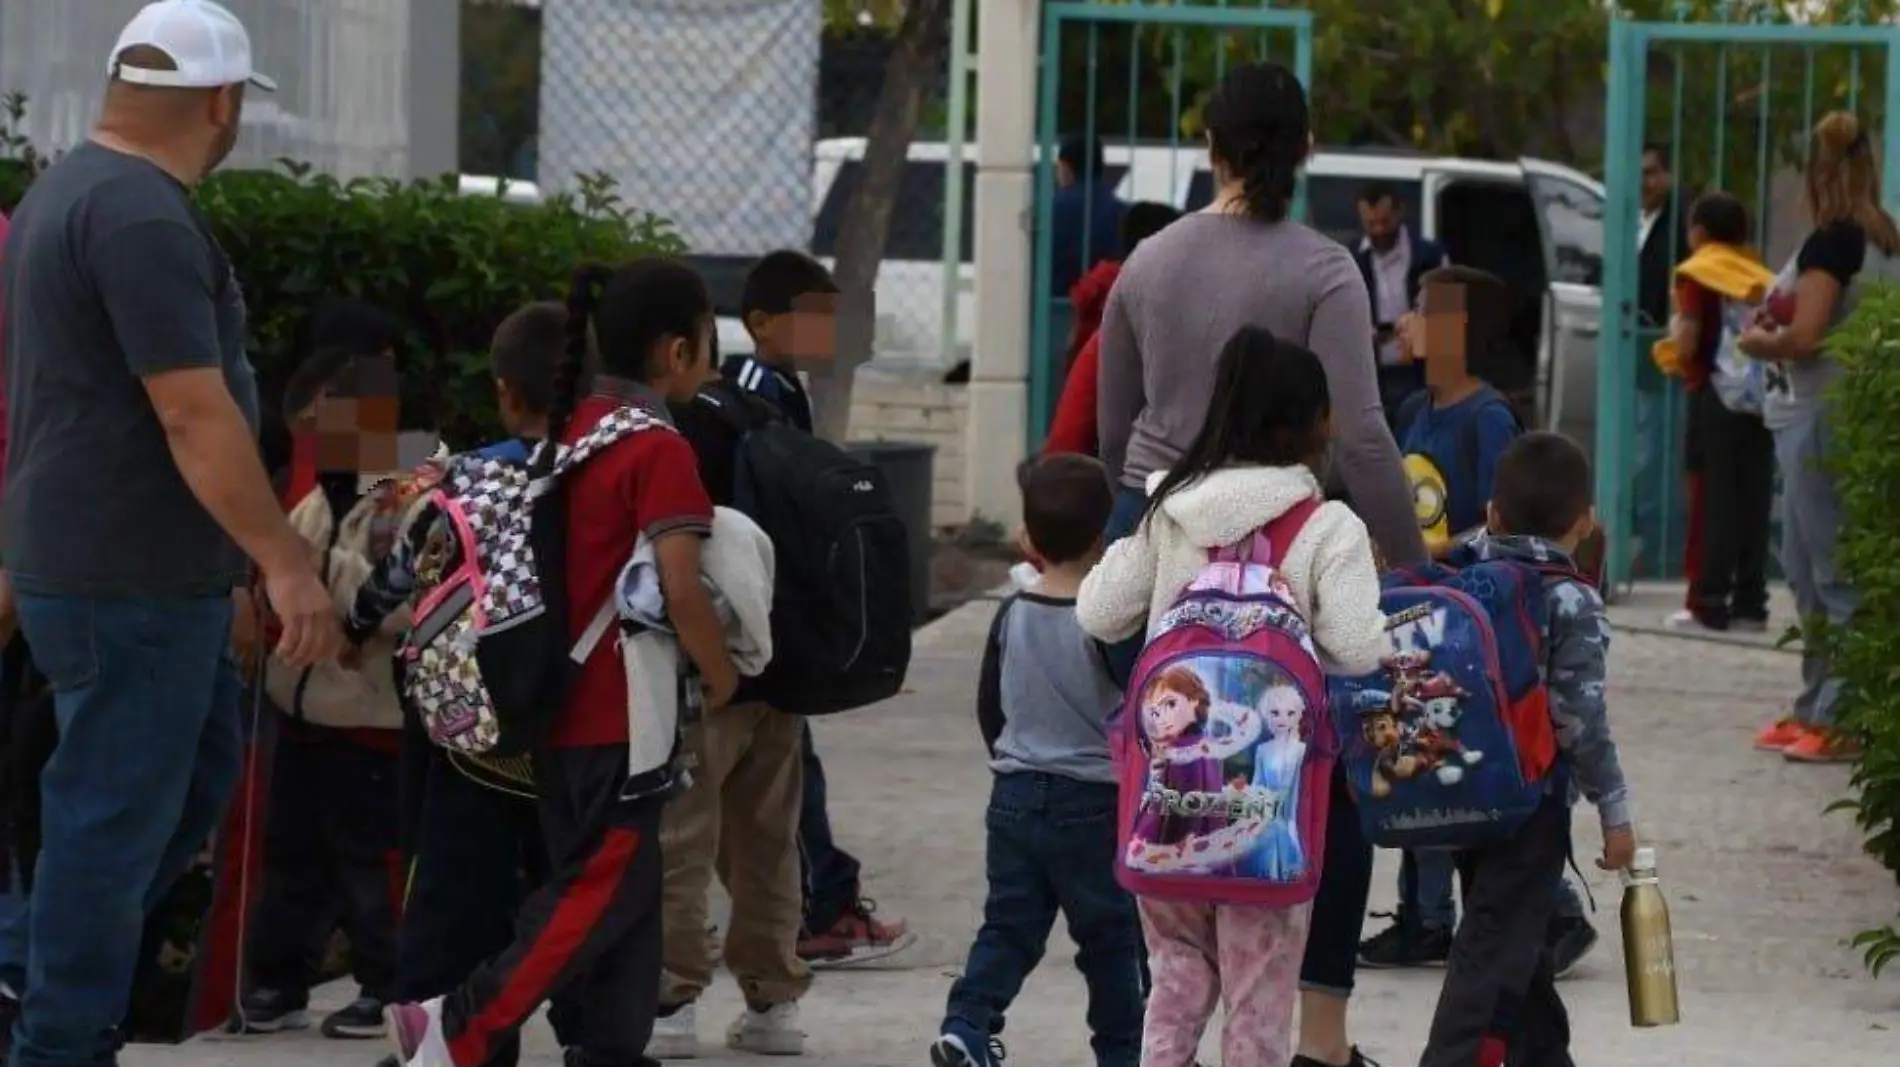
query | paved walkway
(1764,889)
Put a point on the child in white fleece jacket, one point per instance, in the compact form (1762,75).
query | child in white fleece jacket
(1265,432)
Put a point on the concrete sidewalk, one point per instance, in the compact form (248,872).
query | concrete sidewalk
(1764,889)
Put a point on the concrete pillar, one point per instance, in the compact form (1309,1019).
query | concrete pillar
(996,423)
(435,87)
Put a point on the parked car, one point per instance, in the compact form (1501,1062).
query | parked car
(1536,224)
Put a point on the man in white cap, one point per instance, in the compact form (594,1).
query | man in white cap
(135,494)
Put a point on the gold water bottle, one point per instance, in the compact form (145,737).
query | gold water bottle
(1649,953)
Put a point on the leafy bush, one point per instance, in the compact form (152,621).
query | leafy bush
(449,266)
(1865,454)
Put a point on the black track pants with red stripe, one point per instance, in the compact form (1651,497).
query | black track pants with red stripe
(590,936)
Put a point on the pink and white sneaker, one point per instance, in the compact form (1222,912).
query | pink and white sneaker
(415,1033)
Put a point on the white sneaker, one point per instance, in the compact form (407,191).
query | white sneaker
(675,1036)
(772,1032)
(1685,621)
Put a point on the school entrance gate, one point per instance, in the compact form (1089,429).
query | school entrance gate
(1730,104)
(1133,78)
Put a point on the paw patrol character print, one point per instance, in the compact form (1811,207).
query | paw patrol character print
(1385,733)
(1441,705)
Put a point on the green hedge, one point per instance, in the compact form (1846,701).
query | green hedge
(450,266)
(1865,454)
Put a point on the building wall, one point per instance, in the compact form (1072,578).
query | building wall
(353,76)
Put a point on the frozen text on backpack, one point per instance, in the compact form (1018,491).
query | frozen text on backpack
(1224,746)
(488,660)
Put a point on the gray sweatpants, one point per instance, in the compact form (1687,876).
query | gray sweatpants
(1810,531)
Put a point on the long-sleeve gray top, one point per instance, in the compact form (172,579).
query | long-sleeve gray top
(1185,292)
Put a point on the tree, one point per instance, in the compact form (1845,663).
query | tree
(919,44)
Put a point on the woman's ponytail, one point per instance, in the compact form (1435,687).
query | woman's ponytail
(1260,132)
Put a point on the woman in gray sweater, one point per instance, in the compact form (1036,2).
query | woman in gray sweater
(1181,295)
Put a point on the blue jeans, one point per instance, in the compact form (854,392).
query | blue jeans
(1425,890)
(1052,848)
(146,695)
(1129,504)
(830,873)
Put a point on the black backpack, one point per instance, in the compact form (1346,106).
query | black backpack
(841,608)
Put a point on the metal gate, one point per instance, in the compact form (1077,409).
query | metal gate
(1131,77)
(1729,105)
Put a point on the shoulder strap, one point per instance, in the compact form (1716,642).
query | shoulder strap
(1283,531)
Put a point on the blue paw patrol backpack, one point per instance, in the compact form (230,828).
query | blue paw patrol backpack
(1450,743)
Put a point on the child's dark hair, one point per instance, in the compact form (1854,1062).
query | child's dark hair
(1487,308)
(1066,504)
(1142,220)
(1542,486)
(625,311)
(338,331)
(1259,129)
(1722,217)
(527,347)
(1269,408)
(779,278)
(1084,155)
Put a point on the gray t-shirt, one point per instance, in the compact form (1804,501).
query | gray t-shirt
(1044,693)
(1185,292)
(110,275)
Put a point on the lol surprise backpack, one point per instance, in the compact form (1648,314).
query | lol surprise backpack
(1450,743)
(488,659)
(1223,747)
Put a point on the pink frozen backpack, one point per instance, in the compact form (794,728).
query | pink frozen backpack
(1224,747)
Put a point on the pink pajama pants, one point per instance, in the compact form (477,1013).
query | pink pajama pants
(1244,957)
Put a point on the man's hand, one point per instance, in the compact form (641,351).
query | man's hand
(312,632)
(9,610)
(1619,849)
(720,686)
(246,635)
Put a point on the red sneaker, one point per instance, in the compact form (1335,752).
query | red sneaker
(1823,746)
(855,938)
(1780,734)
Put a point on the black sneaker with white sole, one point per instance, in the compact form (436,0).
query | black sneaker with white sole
(270,1011)
(959,1048)
(1568,941)
(1405,943)
(360,1019)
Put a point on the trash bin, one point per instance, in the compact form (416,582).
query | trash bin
(909,469)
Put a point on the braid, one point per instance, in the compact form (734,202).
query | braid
(582,299)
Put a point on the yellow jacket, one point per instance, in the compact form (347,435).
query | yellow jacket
(1729,271)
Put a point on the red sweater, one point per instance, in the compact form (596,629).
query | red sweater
(1073,428)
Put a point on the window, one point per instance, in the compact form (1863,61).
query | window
(1573,224)
(1332,201)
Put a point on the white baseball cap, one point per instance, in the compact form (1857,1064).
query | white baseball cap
(207,44)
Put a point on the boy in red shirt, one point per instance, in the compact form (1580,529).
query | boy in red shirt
(590,936)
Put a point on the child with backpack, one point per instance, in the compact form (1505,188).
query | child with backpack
(1452,435)
(1487,711)
(1043,696)
(790,309)
(331,844)
(1244,577)
(492,675)
(463,888)
(1719,289)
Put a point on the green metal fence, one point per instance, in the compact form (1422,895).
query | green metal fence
(1133,77)
(1729,100)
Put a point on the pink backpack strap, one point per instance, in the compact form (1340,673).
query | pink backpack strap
(1269,543)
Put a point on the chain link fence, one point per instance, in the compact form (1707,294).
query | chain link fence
(741,121)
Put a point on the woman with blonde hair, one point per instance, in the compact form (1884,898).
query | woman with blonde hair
(1854,243)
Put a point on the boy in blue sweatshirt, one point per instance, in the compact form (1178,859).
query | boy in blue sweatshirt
(1453,435)
(1499,1001)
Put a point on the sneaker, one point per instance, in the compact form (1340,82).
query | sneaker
(771,1032)
(415,1034)
(959,1046)
(1777,736)
(1822,746)
(1405,944)
(270,1011)
(855,938)
(1570,939)
(360,1018)
(1688,621)
(1357,1059)
(1753,624)
(675,1035)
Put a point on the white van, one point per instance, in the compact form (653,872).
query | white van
(1538,225)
